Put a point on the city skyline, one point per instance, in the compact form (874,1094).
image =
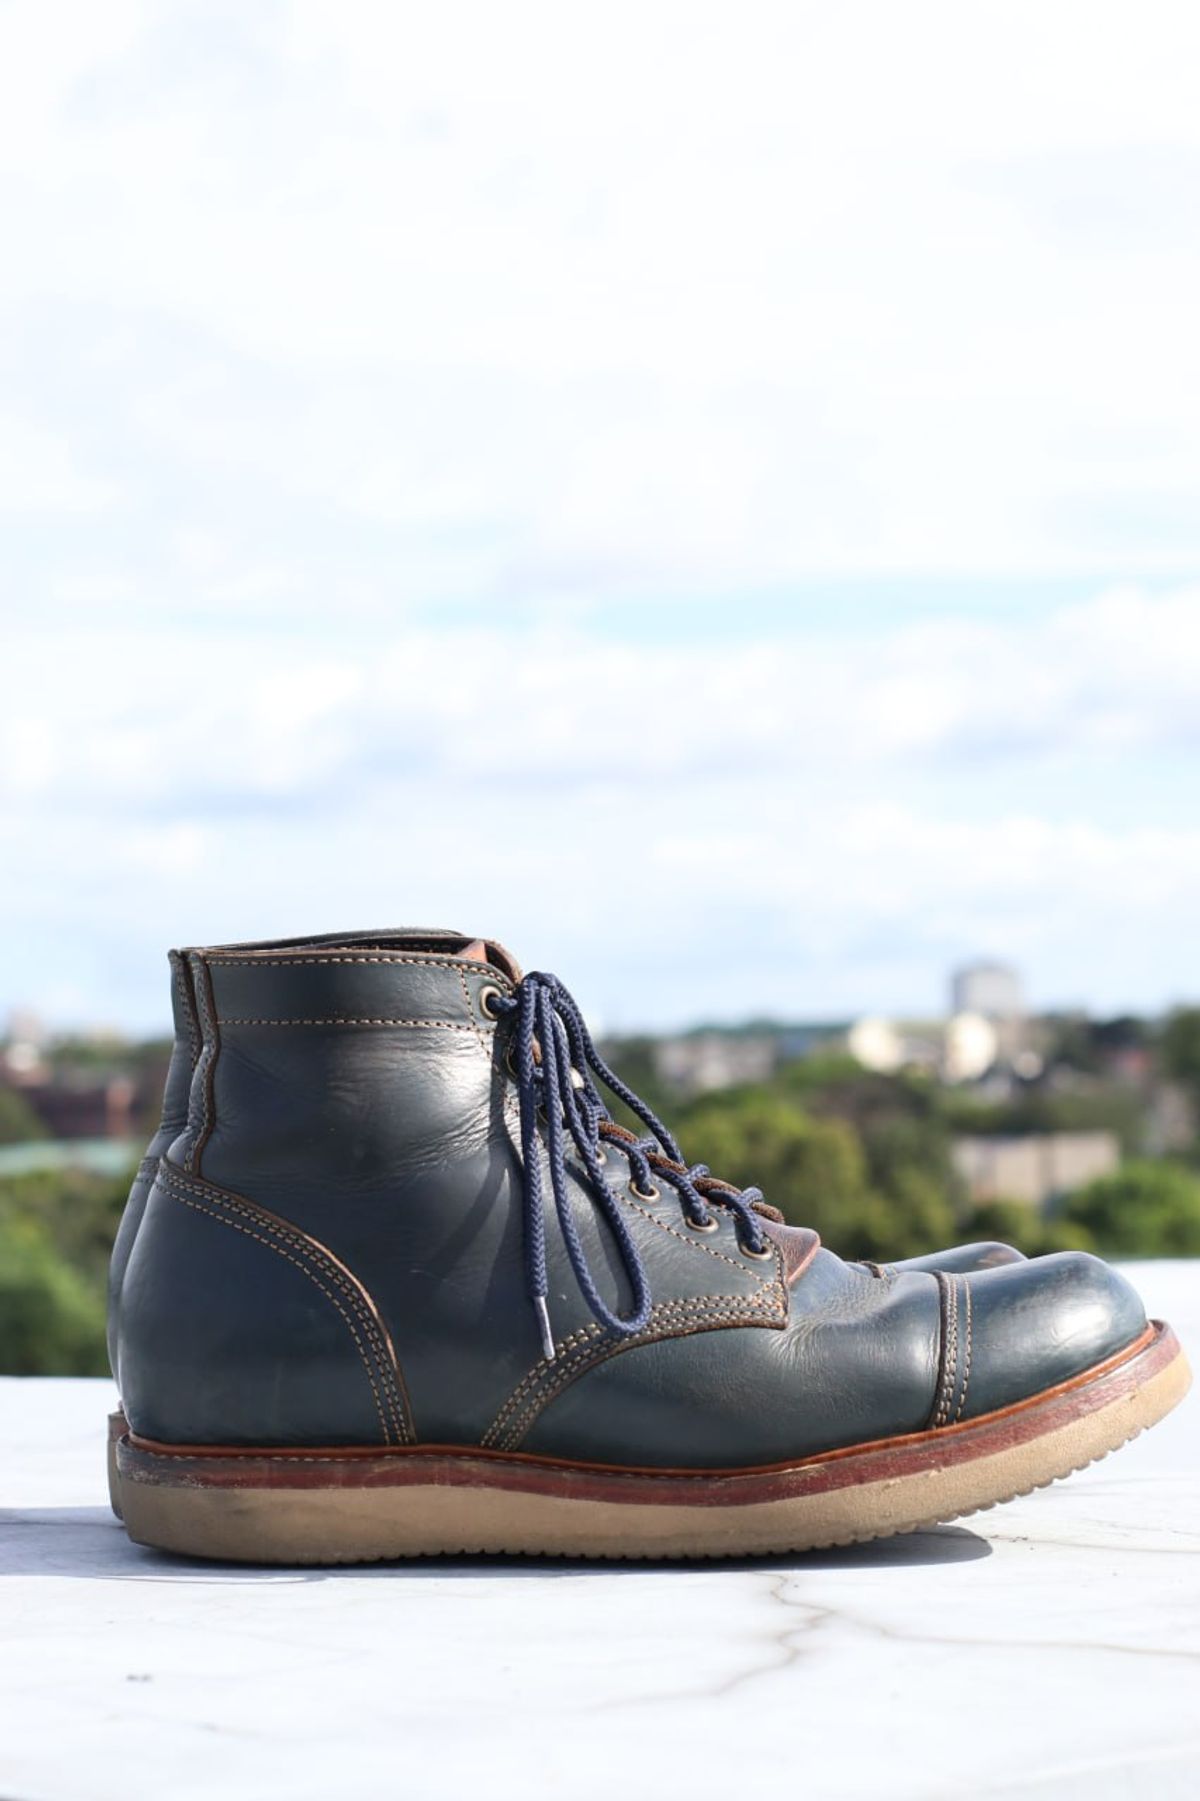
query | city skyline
(23,1022)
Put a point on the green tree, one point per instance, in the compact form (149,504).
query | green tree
(19,1122)
(1143,1210)
(913,1214)
(1015,1222)
(51,1321)
(1181,1046)
(56,1232)
(812,1170)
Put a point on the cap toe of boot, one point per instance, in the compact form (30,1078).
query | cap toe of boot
(1014,1331)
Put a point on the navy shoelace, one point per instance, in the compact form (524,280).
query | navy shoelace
(557,1067)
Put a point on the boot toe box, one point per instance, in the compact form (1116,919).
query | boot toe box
(1025,1327)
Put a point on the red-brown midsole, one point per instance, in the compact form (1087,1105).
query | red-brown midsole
(143,1461)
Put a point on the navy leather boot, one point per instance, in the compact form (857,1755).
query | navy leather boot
(956,1259)
(402,1286)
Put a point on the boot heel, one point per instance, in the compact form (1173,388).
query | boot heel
(118,1426)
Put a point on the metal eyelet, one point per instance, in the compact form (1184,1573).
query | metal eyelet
(485,996)
(766,1255)
(644,1194)
(601,1154)
(711,1224)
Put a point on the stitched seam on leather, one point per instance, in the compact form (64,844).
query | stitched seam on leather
(680,1309)
(590,1334)
(443,1025)
(684,1238)
(188,1005)
(205,1066)
(301,1244)
(966,1333)
(458,965)
(675,1317)
(211,1212)
(470,1006)
(951,1369)
(584,1360)
(949,1360)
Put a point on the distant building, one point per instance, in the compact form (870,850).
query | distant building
(970,1048)
(1035,1167)
(876,1044)
(697,1062)
(1170,1124)
(990,989)
(22,1047)
(958,1050)
(93,1109)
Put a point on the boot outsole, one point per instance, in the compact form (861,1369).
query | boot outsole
(353,1505)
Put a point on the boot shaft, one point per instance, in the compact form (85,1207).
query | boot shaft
(354,1118)
(332,1069)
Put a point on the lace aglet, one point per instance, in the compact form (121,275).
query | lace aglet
(543,1320)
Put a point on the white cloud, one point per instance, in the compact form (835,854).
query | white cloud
(39,474)
(221,715)
(841,814)
(371,366)
(646,289)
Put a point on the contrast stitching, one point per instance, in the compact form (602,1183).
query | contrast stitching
(457,964)
(588,1335)
(949,1369)
(593,1346)
(683,1238)
(445,1025)
(962,1400)
(672,1323)
(187,1002)
(299,1242)
(205,1065)
(470,1006)
(200,1207)
(309,1248)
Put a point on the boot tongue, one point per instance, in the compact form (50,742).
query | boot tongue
(479,951)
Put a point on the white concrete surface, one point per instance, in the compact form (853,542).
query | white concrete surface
(1048,1648)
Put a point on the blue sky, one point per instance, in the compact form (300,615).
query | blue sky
(711,499)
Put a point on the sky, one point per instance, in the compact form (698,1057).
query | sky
(709,496)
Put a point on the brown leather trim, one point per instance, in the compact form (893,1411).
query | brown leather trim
(1147,1356)
(799,1245)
